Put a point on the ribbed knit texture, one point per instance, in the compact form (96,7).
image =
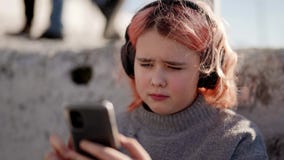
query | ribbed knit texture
(196,133)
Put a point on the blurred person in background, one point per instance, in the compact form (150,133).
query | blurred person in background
(54,31)
(109,8)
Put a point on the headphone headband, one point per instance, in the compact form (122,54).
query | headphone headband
(185,3)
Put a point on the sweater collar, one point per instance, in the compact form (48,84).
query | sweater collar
(198,111)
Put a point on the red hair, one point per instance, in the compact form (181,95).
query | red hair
(199,30)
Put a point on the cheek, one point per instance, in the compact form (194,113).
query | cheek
(177,86)
(183,85)
(141,79)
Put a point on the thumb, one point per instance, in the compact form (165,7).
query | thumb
(134,148)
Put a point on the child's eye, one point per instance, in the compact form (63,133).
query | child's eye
(175,67)
(146,65)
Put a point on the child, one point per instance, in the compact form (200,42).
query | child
(182,73)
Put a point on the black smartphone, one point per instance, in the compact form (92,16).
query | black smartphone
(94,122)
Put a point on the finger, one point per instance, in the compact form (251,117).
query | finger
(70,143)
(102,152)
(62,151)
(51,156)
(75,155)
(58,146)
(134,148)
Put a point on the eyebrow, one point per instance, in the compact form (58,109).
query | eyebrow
(174,63)
(145,59)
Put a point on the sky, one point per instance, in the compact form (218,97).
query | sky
(249,23)
(254,23)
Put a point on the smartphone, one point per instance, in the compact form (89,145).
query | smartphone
(94,122)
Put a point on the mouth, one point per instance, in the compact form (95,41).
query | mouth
(158,97)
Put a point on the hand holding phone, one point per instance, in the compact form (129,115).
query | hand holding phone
(94,122)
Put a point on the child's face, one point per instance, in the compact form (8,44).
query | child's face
(166,73)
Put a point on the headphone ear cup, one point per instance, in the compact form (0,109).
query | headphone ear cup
(127,58)
(208,81)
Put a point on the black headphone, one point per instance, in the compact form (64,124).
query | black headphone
(128,51)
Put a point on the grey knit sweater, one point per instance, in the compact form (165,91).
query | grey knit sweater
(199,132)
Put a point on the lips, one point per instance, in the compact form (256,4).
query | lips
(158,97)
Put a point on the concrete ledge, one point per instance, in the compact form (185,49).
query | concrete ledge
(261,84)
(35,85)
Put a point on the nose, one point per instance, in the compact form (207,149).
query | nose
(158,79)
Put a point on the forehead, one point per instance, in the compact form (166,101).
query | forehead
(152,45)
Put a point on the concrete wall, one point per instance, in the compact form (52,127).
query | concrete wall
(35,84)
(261,98)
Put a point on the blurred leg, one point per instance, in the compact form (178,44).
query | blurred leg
(29,15)
(55,28)
(29,12)
(109,8)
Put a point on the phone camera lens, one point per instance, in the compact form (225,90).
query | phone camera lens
(76,119)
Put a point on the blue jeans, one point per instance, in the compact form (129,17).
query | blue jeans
(56,16)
